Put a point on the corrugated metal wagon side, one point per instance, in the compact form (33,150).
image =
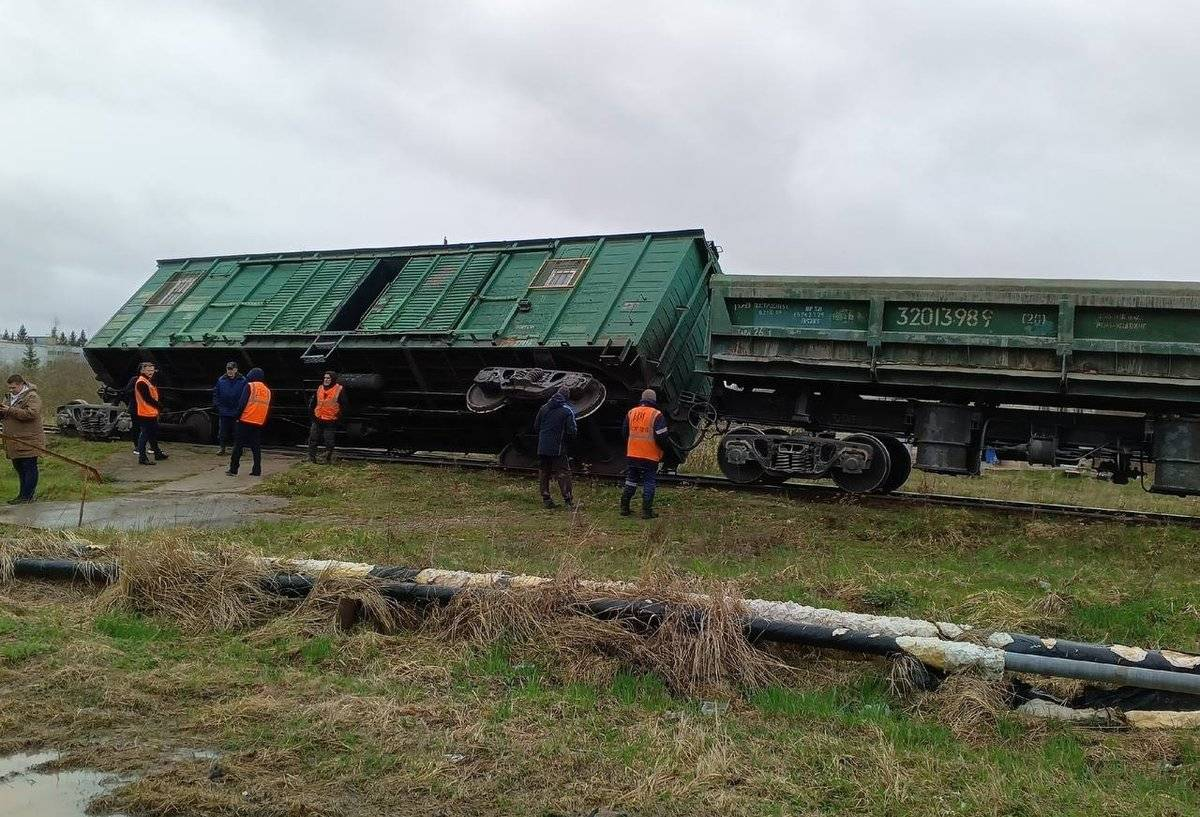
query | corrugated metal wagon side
(429,338)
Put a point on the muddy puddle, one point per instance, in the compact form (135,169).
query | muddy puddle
(25,791)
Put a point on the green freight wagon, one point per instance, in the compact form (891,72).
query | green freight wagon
(442,347)
(1047,370)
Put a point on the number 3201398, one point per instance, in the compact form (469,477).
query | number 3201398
(943,316)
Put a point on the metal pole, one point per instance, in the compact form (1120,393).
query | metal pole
(82,498)
(1103,673)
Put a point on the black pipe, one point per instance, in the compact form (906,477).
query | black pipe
(294,585)
(1093,653)
(67,570)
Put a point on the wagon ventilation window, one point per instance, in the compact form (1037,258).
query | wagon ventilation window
(174,289)
(559,273)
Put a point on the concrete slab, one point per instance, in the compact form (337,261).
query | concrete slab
(145,512)
(190,489)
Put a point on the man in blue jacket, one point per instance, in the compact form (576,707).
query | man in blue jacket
(555,427)
(226,396)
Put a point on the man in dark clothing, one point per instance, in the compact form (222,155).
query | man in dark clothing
(253,408)
(147,408)
(135,427)
(328,405)
(645,432)
(226,394)
(555,426)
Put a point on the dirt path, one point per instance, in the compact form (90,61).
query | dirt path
(188,489)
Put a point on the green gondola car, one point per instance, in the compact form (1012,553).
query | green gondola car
(1051,371)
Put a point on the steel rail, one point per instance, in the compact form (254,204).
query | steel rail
(799,490)
(795,490)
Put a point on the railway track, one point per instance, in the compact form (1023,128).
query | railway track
(798,490)
(794,490)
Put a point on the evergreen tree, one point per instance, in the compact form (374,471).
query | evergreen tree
(74,339)
(22,333)
(6,336)
(83,338)
(54,334)
(30,362)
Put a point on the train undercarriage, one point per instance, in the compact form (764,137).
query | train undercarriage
(869,444)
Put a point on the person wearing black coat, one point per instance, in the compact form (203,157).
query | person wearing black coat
(126,397)
(555,426)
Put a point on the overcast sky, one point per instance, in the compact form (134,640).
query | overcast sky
(924,138)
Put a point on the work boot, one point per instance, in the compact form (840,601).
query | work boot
(569,502)
(256,473)
(230,473)
(158,455)
(648,513)
(625,508)
(548,503)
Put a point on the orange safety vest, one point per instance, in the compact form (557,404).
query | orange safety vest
(144,410)
(328,409)
(641,434)
(255,413)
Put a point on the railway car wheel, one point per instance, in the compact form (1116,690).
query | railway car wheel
(199,427)
(876,474)
(512,456)
(901,463)
(740,465)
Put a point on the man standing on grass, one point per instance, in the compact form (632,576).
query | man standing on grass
(253,408)
(226,394)
(327,405)
(147,409)
(645,431)
(555,427)
(21,414)
(135,428)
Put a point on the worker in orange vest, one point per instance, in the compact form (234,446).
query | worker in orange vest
(645,431)
(253,409)
(328,405)
(147,409)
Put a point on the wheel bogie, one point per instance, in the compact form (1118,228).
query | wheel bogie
(869,474)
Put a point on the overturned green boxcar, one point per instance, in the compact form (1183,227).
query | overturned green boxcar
(1048,370)
(442,347)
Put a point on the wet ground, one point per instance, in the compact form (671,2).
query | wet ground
(28,791)
(190,488)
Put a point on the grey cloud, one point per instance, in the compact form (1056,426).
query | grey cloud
(947,138)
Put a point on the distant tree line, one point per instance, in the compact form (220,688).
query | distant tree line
(57,336)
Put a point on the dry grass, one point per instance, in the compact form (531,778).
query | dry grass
(198,586)
(907,676)
(991,610)
(697,647)
(967,705)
